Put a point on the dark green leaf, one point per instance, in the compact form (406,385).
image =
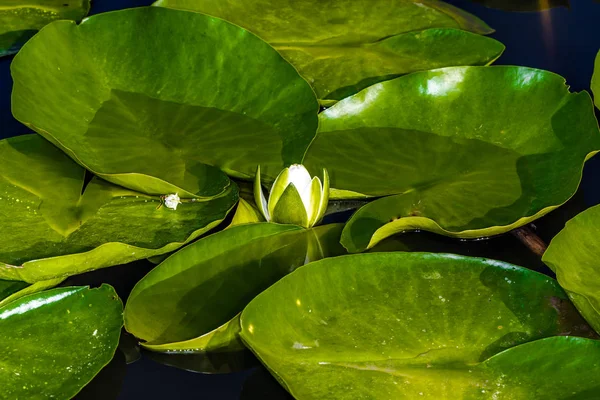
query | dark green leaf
(54,342)
(420,325)
(13,290)
(192,300)
(148,98)
(8,288)
(465,152)
(574,256)
(341,48)
(59,228)
(20,20)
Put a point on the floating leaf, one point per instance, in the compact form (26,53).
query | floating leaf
(55,342)
(341,48)
(420,325)
(465,152)
(148,97)
(59,226)
(192,300)
(20,20)
(573,255)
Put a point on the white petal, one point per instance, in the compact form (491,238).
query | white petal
(300,178)
(259,196)
(264,207)
(315,199)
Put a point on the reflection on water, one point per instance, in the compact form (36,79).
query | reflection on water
(523,5)
(546,23)
(208,363)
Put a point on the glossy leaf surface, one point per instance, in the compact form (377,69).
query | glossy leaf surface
(465,151)
(55,342)
(59,226)
(152,99)
(191,301)
(341,48)
(573,255)
(406,325)
(20,20)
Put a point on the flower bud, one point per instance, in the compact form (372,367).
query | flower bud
(295,198)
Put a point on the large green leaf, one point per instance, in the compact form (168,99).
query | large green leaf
(147,97)
(574,256)
(54,342)
(406,325)
(59,227)
(341,48)
(463,151)
(20,20)
(191,301)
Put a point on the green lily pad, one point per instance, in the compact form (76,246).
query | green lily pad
(191,301)
(341,48)
(20,20)
(13,290)
(155,100)
(55,342)
(59,226)
(464,151)
(406,325)
(573,255)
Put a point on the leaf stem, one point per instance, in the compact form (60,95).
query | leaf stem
(530,239)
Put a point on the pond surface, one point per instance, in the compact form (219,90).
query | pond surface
(563,40)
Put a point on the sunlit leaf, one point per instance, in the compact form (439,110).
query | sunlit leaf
(55,342)
(191,301)
(465,152)
(341,47)
(421,325)
(153,99)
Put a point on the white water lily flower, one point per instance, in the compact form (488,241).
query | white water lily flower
(172,201)
(295,198)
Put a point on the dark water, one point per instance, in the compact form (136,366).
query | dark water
(562,40)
